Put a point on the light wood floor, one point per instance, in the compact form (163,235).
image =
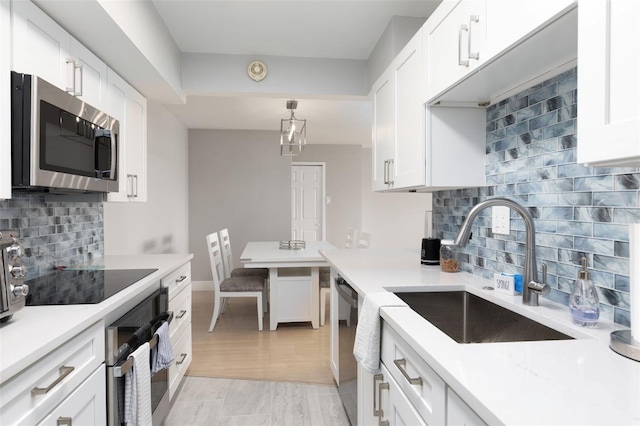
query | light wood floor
(295,352)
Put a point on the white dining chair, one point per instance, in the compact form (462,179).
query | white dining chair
(227,259)
(352,237)
(250,286)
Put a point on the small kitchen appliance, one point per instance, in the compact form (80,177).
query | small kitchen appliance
(430,250)
(12,287)
(58,141)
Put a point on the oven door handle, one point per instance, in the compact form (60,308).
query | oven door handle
(122,366)
(349,298)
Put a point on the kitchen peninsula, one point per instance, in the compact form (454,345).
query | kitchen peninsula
(580,381)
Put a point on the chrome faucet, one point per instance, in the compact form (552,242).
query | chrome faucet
(531,287)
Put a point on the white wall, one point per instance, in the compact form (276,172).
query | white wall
(395,220)
(161,224)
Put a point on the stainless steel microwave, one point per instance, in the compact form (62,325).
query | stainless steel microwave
(58,141)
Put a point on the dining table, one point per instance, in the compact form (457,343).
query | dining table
(294,278)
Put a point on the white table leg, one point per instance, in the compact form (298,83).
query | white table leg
(273,298)
(315,295)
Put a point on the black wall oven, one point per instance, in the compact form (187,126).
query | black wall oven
(124,336)
(58,141)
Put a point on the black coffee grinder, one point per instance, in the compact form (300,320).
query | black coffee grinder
(430,253)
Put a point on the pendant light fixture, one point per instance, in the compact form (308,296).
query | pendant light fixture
(293,133)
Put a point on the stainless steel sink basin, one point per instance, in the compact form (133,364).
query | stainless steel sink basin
(467,318)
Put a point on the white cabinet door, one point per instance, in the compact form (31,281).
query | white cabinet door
(136,150)
(130,108)
(91,78)
(459,413)
(608,83)
(40,46)
(85,406)
(453,38)
(383,130)
(44,48)
(508,21)
(395,408)
(5,100)
(409,158)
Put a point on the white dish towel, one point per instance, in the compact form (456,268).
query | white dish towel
(162,353)
(137,389)
(366,348)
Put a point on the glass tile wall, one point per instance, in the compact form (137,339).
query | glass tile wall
(53,233)
(579,211)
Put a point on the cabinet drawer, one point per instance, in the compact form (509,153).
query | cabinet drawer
(177,280)
(181,308)
(183,355)
(394,405)
(33,393)
(404,364)
(85,406)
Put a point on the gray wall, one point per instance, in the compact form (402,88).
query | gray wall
(239,181)
(161,224)
(343,186)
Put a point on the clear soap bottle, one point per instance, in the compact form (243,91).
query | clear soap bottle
(583,302)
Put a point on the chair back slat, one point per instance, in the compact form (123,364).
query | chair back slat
(215,258)
(227,256)
(352,238)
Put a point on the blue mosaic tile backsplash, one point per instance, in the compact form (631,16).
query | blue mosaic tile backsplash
(579,211)
(53,233)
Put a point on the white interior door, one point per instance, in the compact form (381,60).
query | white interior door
(307,208)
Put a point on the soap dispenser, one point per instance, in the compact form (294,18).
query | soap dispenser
(583,302)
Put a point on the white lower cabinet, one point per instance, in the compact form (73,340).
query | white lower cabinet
(459,413)
(408,391)
(178,284)
(52,383)
(85,406)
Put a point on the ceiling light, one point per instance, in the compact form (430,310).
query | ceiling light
(293,133)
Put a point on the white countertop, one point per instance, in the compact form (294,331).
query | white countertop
(579,381)
(34,331)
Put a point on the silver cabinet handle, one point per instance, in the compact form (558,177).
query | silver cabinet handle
(130,186)
(391,162)
(385,172)
(64,421)
(182,278)
(71,76)
(78,76)
(64,372)
(462,62)
(472,55)
(184,356)
(382,386)
(401,363)
(376,378)
(181,314)
(135,195)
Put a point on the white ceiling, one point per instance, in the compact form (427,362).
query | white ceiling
(293,28)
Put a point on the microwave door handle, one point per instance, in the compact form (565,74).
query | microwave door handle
(114,155)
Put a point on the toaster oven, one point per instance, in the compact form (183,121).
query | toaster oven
(13,290)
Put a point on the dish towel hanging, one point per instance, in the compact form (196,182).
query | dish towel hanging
(366,348)
(162,353)
(137,389)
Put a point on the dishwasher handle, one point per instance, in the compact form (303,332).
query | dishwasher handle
(347,293)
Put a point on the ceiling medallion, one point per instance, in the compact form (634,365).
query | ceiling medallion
(257,70)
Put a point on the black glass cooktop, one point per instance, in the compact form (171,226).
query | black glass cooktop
(77,287)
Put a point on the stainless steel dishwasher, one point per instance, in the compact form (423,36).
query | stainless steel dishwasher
(347,365)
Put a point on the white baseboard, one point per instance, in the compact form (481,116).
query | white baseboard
(202,286)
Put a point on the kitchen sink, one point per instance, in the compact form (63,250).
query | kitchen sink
(467,318)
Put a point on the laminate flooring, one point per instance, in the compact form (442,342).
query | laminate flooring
(227,402)
(295,352)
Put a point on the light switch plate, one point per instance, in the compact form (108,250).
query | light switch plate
(500,223)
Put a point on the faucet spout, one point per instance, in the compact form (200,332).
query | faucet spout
(530,288)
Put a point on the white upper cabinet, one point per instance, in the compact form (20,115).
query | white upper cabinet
(130,108)
(479,50)
(44,48)
(609,83)
(454,38)
(5,100)
(398,136)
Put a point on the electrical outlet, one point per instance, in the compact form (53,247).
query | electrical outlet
(500,223)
